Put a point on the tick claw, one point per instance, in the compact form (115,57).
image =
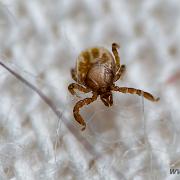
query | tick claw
(157,99)
(83,128)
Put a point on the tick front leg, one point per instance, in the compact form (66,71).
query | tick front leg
(119,73)
(74,75)
(135,91)
(74,86)
(115,52)
(77,108)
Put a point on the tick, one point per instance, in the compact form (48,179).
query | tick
(96,71)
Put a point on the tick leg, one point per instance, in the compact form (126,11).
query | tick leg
(74,86)
(77,108)
(135,91)
(73,74)
(120,71)
(115,52)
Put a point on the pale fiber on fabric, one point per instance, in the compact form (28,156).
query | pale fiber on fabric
(134,139)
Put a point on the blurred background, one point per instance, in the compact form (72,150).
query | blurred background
(135,138)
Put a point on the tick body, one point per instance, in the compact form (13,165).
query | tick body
(96,71)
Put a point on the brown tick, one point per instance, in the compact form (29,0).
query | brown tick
(96,71)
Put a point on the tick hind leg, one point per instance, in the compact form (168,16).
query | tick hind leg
(74,86)
(77,108)
(135,91)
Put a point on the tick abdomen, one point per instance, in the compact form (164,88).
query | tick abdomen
(99,77)
(89,58)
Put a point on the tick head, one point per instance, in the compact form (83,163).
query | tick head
(107,99)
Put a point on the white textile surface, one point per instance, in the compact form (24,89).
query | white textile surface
(135,138)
